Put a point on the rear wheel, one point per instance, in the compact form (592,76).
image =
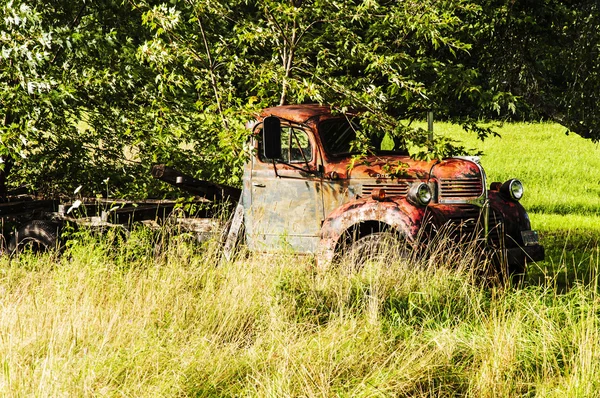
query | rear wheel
(36,236)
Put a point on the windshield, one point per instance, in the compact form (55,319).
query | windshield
(341,136)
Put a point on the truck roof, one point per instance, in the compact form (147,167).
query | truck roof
(297,113)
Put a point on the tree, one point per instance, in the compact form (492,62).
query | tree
(394,60)
(544,54)
(71,93)
(92,90)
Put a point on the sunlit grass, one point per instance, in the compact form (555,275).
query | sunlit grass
(169,322)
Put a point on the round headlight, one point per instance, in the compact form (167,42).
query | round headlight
(420,194)
(513,189)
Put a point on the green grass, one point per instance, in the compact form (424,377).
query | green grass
(155,316)
(169,323)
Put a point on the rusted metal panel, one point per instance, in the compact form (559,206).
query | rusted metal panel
(458,221)
(337,193)
(375,168)
(297,113)
(459,181)
(456,168)
(285,213)
(513,217)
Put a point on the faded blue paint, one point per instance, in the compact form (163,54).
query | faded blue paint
(286,209)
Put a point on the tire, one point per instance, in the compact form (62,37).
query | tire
(501,273)
(377,247)
(36,236)
(513,273)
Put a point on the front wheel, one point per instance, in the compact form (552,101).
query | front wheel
(377,247)
(36,236)
(511,269)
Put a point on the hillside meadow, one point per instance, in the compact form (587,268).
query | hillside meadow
(160,316)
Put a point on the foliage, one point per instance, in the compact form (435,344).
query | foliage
(101,89)
(70,93)
(388,60)
(542,58)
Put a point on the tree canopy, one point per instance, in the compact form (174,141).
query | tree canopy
(105,88)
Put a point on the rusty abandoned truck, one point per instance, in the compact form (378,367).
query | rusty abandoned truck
(300,193)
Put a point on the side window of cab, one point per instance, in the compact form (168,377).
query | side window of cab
(295,146)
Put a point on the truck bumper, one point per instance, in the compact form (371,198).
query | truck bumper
(521,255)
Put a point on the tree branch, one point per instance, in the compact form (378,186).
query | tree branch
(211,68)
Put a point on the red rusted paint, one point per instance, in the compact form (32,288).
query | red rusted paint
(374,167)
(443,213)
(300,114)
(514,217)
(456,168)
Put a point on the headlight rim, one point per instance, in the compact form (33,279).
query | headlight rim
(416,196)
(507,189)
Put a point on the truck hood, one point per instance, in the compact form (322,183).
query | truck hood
(381,167)
(403,167)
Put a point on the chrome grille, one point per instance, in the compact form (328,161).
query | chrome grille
(461,188)
(399,189)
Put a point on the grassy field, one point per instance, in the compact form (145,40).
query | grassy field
(155,317)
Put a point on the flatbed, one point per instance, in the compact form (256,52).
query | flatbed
(37,221)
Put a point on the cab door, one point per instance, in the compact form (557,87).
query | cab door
(286,204)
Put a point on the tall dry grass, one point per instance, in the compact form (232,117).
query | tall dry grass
(157,316)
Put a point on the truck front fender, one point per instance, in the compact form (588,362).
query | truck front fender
(513,216)
(397,214)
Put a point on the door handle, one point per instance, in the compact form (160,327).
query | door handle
(259,185)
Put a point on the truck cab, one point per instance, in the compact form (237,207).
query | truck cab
(304,192)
